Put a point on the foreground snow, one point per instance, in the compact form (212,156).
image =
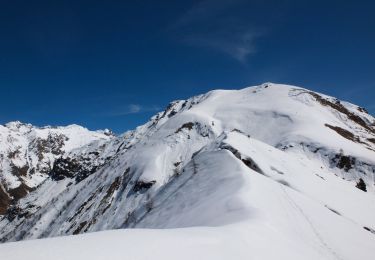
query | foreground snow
(189,243)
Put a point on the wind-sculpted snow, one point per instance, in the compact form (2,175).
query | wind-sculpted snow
(267,165)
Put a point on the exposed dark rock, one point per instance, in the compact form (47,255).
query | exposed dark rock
(12,213)
(142,186)
(84,173)
(79,228)
(65,168)
(112,188)
(9,198)
(252,165)
(119,148)
(234,151)
(92,222)
(246,160)
(79,168)
(176,164)
(188,126)
(79,210)
(237,130)
(19,192)
(52,144)
(172,113)
(316,150)
(344,133)
(13,154)
(184,104)
(126,172)
(19,171)
(362,109)
(361,185)
(344,162)
(5,201)
(370,229)
(334,211)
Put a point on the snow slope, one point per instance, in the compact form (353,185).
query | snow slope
(235,211)
(221,175)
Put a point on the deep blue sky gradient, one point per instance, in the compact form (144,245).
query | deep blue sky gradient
(113,64)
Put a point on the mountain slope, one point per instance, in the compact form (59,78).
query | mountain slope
(269,163)
(248,214)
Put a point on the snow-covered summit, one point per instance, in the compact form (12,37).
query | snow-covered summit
(266,165)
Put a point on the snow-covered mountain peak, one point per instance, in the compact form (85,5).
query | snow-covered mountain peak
(282,110)
(256,162)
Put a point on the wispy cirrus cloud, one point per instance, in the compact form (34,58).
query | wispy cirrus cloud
(216,25)
(237,44)
(134,109)
(131,109)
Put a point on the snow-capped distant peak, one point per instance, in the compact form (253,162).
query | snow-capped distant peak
(27,155)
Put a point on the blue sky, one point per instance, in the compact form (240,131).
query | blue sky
(113,64)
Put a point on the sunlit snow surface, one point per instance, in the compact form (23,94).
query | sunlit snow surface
(244,180)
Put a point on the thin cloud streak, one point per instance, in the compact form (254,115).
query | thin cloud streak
(211,24)
(238,45)
(132,109)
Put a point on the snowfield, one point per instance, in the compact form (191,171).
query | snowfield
(266,172)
